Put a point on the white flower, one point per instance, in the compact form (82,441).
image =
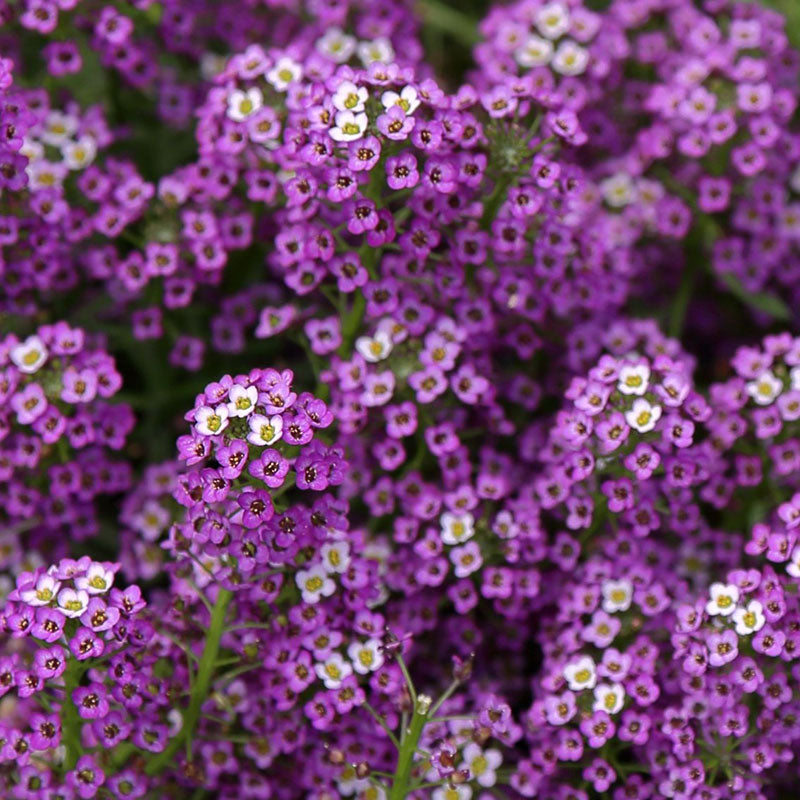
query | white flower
(619,191)
(609,697)
(29,355)
(374,348)
(794,375)
(552,20)
(570,59)
(242,400)
(765,388)
(333,671)
(482,764)
(314,584)
(724,597)
(151,520)
(457,528)
(335,557)
(366,656)
(534,52)
(794,180)
(97,579)
(348,126)
(211,421)
(71,603)
(79,154)
(241,104)
(45,174)
(749,619)
(379,49)
(457,791)
(337,45)
(349,97)
(581,674)
(408,99)
(264,430)
(211,65)
(617,595)
(286,71)
(58,128)
(642,416)
(31,149)
(793,567)
(43,592)
(633,379)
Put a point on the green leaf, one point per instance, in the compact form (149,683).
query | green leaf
(761,301)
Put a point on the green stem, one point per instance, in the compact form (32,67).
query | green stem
(70,719)
(447,693)
(205,673)
(401,783)
(496,198)
(450,20)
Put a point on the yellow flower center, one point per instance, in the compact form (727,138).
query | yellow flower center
(214,422)
(478,765)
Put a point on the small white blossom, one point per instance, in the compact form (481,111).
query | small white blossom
(379,49)
(285,72)
(724,597)
(211,421)
(31,149)
(749,619)
(58,128)
(374,348)
(617,595)
(408,99)
(552,20)
(241,104)
(793,567)
(242,400)
(642,416)
(570,59)
(581,674)
(335,557)
(456,791)
(314,584)
(534,52)
(97,580)
(349,97)
(457,528)
(337,45)
(765,388)
(366,656)
(42,593)
(73,603)
(482,764)
(633,379)
(619,191)
(333,671)
(348,126)
(794,179)
(264,430)
(79,154)
(29,355)
(609,697)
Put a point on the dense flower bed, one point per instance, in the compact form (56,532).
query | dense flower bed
(399,400)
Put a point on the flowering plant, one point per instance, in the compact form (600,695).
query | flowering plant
(399,400)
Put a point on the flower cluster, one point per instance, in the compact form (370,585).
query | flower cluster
(466,330)
(68,700)
(58,431)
